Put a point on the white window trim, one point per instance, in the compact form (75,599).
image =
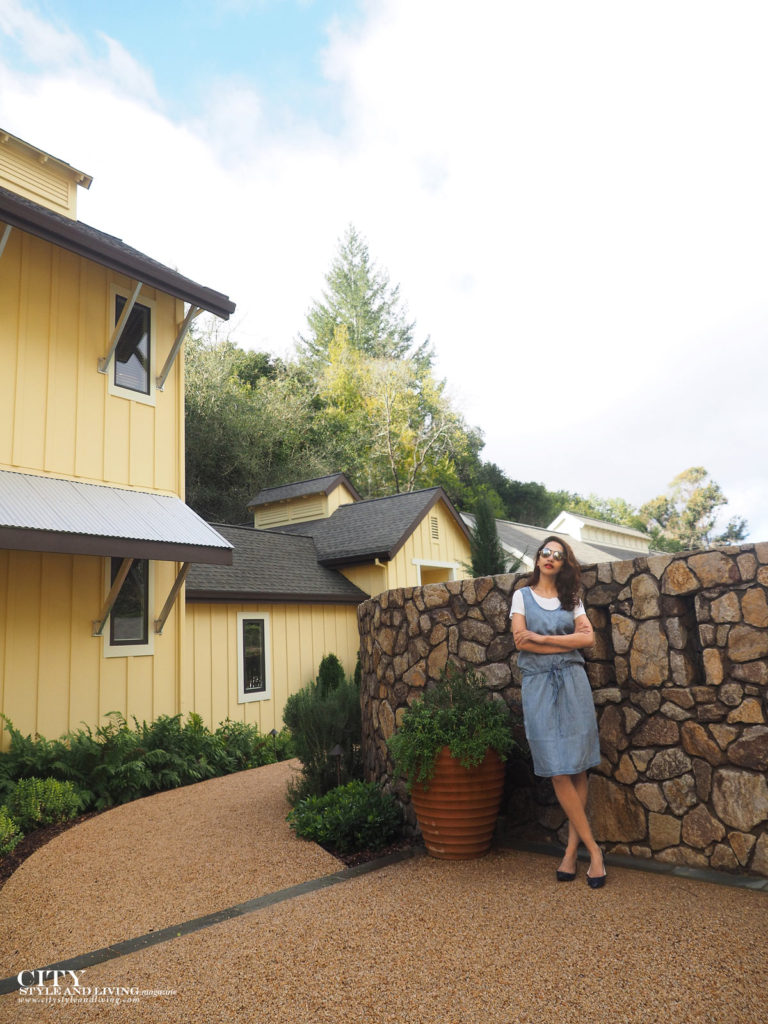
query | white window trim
(115,389)
(242,696)
(131,650)
(431,564)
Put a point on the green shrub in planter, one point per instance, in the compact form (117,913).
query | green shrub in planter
(10,833)
(357,816)
(37,802)
(458,712)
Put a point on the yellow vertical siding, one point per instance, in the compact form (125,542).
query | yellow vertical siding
(300,636)
(56,413)
(53,675)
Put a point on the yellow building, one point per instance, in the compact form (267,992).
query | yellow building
(95,539)
(257,631)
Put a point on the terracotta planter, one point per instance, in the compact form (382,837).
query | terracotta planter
(457,812)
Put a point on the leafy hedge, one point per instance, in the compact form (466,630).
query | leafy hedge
(116,762)
(357,816)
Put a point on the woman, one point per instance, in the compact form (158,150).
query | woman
(550,628)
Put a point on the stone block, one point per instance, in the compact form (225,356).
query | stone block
(751,751)
(711,712)
(678,696)
(741,844)
(501,647)
(702,772)
(651,796)
(602,594)
(724,734)
(621,571)
(746,643)
(751,672)
(631,718)
(754,607)
(674,711)
(437,660)
(747,564)
(649,700)
(677,634)
(749,712)
(641,758)
(731,694)
(625,773)
(606,695)
(657,564)
(682,668)
(668,764)
(657,731)
(681,855)
(722,858)
(612,735)
(646,600)
(740,798)
(678,579)
(714,569)
(680,793)
(713,666)
(697,743)
(496,675)
(616,814)
(475,654)
(478,631)
(649,657)
(436,595)
(726,608)
(495,608)
(622,631)
(760,860)
(386,719)
(663,830)
(700,829)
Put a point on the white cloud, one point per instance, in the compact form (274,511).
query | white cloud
(570,195)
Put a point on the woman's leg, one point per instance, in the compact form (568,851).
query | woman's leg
(571,793)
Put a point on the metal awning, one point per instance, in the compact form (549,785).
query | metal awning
(40,513)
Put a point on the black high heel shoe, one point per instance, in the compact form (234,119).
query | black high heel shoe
(598,881)
(565,876)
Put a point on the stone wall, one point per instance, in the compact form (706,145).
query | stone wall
(679,672)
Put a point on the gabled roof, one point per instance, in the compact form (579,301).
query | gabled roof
(628,531)
(270,566)
(42,513)
(522,539)
(376,528)
(302,489)
(107,251)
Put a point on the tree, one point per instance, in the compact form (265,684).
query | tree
(685,517)
(488,558)
(249,424)
(360,299)
(392,422)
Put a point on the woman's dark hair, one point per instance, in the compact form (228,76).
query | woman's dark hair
(567,581)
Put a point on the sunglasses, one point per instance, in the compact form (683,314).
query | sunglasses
(558,556)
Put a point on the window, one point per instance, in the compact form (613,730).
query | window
(132,356)
(129,621)
(253,657)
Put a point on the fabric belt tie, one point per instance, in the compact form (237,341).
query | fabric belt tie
(556,680)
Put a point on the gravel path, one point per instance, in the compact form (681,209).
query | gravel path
(494,941)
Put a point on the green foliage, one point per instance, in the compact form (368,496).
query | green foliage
(10,833)
(319,722)
(36,802)
(330,675)
(349,818)
(458,712)
(359,298)
(116,762)
(488,558)
(685,517)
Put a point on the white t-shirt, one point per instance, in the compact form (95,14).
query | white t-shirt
(551,604)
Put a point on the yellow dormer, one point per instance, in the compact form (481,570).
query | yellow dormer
(36,175)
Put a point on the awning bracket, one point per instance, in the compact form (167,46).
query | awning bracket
(182,575)
(194,311)
(4,238)
(98,624)
(119,328)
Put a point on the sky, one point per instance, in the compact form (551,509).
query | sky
(572,197)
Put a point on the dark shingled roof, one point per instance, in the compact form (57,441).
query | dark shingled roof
(107,251)
(376,528)
(270,566)
(301,489)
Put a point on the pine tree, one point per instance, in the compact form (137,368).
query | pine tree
(488,557)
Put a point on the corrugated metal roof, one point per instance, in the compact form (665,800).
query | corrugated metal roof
(40,513)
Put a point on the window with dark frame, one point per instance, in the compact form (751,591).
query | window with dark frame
(254,660)
(132,355)
(129,619)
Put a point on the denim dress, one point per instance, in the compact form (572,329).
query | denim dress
(558,709)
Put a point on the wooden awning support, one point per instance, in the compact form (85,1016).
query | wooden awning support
(4,238)
(98,624)
(182,575)
(119,327)
(193,312)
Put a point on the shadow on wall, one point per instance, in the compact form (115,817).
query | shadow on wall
(679,673)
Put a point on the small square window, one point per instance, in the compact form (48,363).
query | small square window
(133,352)
(253,658)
